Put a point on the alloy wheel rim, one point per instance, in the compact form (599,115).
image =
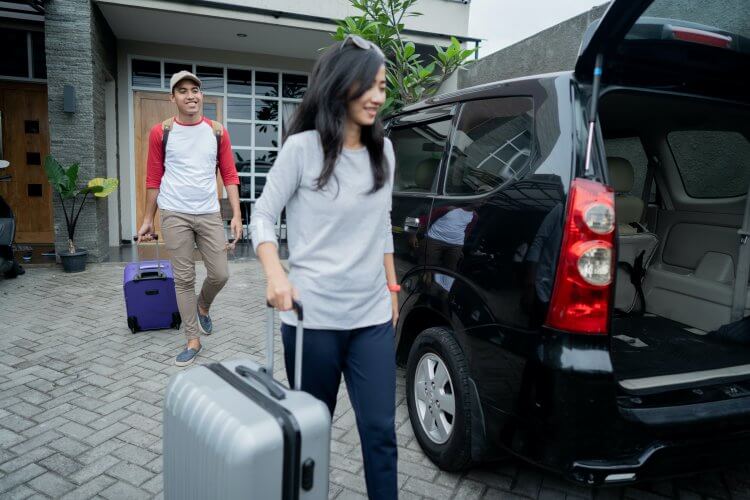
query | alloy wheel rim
(434,398)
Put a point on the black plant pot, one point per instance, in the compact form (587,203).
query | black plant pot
(74,262)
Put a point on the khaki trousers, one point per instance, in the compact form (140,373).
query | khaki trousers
(181,233)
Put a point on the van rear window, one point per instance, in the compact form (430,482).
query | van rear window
(712,163)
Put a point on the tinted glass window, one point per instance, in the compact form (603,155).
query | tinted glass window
(239,81)
(419,149)
(294,86)
(266,84)
(38,54)
(492,145)
(15,59)
(712,163)
(146,73)
(211,78)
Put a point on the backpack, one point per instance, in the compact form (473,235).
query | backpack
(167,124)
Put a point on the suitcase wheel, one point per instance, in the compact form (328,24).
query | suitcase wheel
(176,320)
(133,324)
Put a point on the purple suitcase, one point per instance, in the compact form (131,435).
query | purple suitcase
(150,297)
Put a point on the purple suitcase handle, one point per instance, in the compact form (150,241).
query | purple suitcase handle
(158,266)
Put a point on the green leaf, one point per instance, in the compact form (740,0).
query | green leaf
(91,189)
(107,186)
(409,50)
(72,175)
(55,173)
(467,53)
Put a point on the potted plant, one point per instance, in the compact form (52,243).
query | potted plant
(64,181)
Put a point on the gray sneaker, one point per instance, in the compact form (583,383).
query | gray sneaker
(205,323)
(187,356)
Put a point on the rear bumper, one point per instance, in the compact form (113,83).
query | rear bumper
(665,459)
(571,417)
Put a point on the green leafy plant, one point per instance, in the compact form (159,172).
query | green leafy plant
(409,78)
(64,181)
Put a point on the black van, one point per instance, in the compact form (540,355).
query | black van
(567,246)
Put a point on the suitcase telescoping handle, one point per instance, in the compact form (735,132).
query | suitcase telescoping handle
(138,255)
(270,335)
(264,374)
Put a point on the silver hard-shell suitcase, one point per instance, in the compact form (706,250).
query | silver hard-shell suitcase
(232,431)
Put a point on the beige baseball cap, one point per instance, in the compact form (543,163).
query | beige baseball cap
(182,75)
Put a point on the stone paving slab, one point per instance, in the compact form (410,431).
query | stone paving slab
(80,402)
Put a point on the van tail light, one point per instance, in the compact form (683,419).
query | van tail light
(585,269)
(701,36)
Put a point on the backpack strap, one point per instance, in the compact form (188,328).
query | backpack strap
(218,129)
(166,126)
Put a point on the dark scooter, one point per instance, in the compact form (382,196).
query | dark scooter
(8,265)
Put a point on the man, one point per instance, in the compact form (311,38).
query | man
(181,180)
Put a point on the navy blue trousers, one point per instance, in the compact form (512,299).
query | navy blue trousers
(366,358)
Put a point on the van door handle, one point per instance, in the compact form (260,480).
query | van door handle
(411,224)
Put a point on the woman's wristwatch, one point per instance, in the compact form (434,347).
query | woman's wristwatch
(394,287)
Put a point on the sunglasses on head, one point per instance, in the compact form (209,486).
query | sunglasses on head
(361,43)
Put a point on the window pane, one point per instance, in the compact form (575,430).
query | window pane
(418,152)
(246,187)
(260,183)
(240,133)
(264,161)
(172,68)
(266,136)
(239,108)
(38,54)
(210,111)
(146,73)
(242,159)
(294,86)
(239,81)
(15,59)
(492,145)
(211,78)
(266,110)
(266,84)
(712,163)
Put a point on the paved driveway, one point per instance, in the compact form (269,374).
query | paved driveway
(80,402)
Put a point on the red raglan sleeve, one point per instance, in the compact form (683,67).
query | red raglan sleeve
(155,162)
(226,161)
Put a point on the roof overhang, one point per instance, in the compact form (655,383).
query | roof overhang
(216,25)
(27,10)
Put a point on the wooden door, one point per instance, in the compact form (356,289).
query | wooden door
(151,108)
(25,144)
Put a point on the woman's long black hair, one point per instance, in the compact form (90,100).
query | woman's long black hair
(343,73)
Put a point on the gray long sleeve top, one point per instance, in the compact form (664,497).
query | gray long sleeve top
(337,236)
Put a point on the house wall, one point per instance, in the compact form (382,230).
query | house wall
(80,51)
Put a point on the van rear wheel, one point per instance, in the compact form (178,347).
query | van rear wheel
(439,398)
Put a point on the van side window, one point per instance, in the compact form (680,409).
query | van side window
(491,145)
(419,149)
(712,163)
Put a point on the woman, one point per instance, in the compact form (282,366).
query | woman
(334,174)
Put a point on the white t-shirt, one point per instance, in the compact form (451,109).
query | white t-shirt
(186,177)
